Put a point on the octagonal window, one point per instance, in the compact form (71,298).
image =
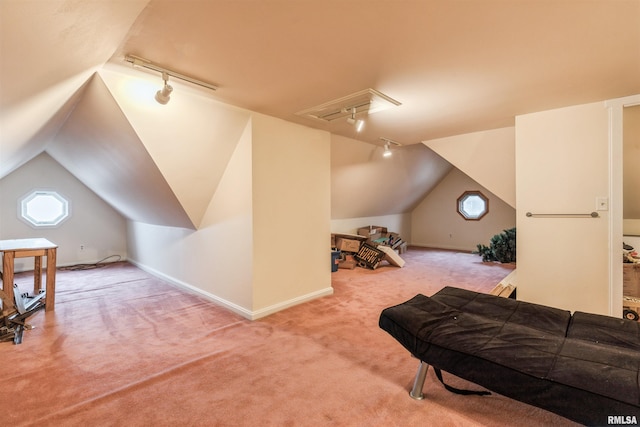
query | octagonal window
(42,208)
(473,205)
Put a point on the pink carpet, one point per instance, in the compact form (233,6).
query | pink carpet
(123,348)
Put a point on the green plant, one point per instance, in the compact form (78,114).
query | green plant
(502,247)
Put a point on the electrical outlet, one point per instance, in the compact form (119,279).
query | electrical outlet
(81,248)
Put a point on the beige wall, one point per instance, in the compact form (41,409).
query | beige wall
(487,156)
(190,139)
(291,213)
(94,224)
(562,167)
(215,260)
(263,244)
(436,223)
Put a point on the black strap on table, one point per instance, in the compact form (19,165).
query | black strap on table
(457,390)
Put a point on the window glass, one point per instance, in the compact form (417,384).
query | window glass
(472,205)
(42,208)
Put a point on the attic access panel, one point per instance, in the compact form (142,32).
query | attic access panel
(368,100)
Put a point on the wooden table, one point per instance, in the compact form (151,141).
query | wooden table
(22,248)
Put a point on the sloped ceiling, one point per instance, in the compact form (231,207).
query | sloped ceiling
(190,140)
(364,183)
(487,156)
(48,50)
(455,67)
(98,145)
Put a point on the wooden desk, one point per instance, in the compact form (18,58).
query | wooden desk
(22,248)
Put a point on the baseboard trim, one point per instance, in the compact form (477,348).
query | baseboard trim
(248,314)
(194,290)
(443,247)
(263,312)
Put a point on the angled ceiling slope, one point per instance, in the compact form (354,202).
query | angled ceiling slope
(363,183)
(488,157)
(45,42)
(50,48)
(191,139)
(26,131)
(98,146)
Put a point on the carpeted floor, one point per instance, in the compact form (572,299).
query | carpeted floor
(123,348)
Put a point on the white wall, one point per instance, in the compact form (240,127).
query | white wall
(93,224)
(190,140)
(366,184)
(562,167)
(216,260)
(263,243)
(487,156)
(436,223)
(291,213)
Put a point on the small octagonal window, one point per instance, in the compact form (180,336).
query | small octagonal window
(473,205)
(42,208)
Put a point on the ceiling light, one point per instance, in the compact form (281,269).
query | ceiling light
(387,143)
(358,123)
(387,152)
(367,101)
(163,95)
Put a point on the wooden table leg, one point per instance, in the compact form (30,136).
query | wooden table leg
(50,299)
(37,274)
(7,280)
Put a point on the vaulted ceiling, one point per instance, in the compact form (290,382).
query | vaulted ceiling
(454,66)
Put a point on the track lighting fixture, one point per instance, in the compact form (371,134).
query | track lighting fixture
(387,143)
(163,95)
(387,152)
(366,101)
(358,123)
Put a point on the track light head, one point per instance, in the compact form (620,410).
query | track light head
(164,95)
(359,123)
(388,143)
(352,119)
(387,151)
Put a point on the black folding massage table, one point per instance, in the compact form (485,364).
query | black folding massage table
(584,367)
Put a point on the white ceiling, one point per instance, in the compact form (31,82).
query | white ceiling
(455,66)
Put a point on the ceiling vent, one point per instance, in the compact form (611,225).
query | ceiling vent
(366,101)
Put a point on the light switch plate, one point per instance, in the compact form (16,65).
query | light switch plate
(602,203)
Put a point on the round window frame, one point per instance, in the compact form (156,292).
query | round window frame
(23,209)
(466,215)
